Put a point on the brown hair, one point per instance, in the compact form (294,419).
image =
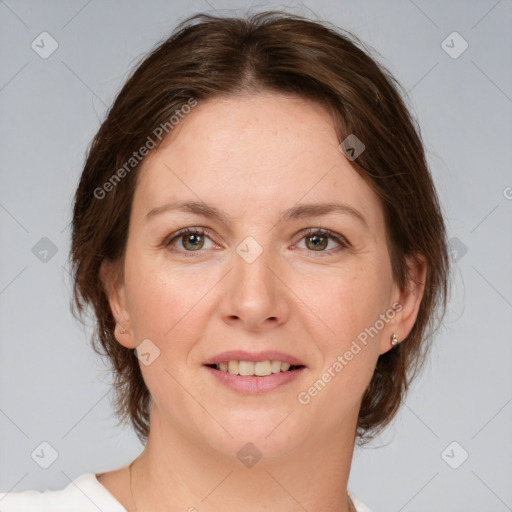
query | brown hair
(209,56)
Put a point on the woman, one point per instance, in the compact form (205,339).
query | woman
(256,223)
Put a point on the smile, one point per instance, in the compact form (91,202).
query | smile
(254,368)
(253,378)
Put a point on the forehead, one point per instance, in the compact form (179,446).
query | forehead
(253,154)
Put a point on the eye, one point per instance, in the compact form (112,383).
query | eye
(191,239)
(317,239)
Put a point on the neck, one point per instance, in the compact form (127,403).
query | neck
(182,474)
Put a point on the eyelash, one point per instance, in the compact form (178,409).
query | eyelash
(342,241)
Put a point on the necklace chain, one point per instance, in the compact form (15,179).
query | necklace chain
(350,502)
(131,488)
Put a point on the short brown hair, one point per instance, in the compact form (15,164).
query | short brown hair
(207,57)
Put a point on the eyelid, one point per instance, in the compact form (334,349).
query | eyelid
(340,239)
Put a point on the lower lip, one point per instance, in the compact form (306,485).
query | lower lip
(252,385)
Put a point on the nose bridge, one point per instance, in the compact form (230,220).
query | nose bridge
(254,293)
(251,273)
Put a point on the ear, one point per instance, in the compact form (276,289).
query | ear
(407,301)
(113,284)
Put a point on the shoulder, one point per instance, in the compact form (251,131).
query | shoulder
(84,494)
(360,506)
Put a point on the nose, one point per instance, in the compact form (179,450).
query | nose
(255,295)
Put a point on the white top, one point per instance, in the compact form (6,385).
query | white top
(84,494)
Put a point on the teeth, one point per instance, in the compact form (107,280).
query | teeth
(232,367)
(262,368)
(246,368)
(250,368)
(276,366)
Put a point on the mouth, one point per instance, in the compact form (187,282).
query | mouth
(254,368)
(254,373)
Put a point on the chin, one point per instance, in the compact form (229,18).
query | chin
(274,433)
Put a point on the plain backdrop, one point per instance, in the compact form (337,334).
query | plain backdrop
(450,447)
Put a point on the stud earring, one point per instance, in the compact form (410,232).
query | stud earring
(394,340)
(123,331)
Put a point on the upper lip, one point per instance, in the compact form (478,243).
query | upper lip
(242,355)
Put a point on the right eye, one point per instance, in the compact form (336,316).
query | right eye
(191,239)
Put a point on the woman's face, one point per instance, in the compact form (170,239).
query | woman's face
(258,278)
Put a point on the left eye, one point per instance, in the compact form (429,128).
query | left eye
(317,239)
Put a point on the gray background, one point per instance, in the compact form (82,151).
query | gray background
(53,387)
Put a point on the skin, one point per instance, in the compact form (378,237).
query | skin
(252,156)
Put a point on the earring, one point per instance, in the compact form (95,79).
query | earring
(122,331)
(394,340)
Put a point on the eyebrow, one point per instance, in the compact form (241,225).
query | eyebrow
(296,212)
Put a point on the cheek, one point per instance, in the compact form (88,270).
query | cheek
(153,296)
(352,303)
(347,299)
(168,305)
(166,308)
(150,301)
(351,306)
